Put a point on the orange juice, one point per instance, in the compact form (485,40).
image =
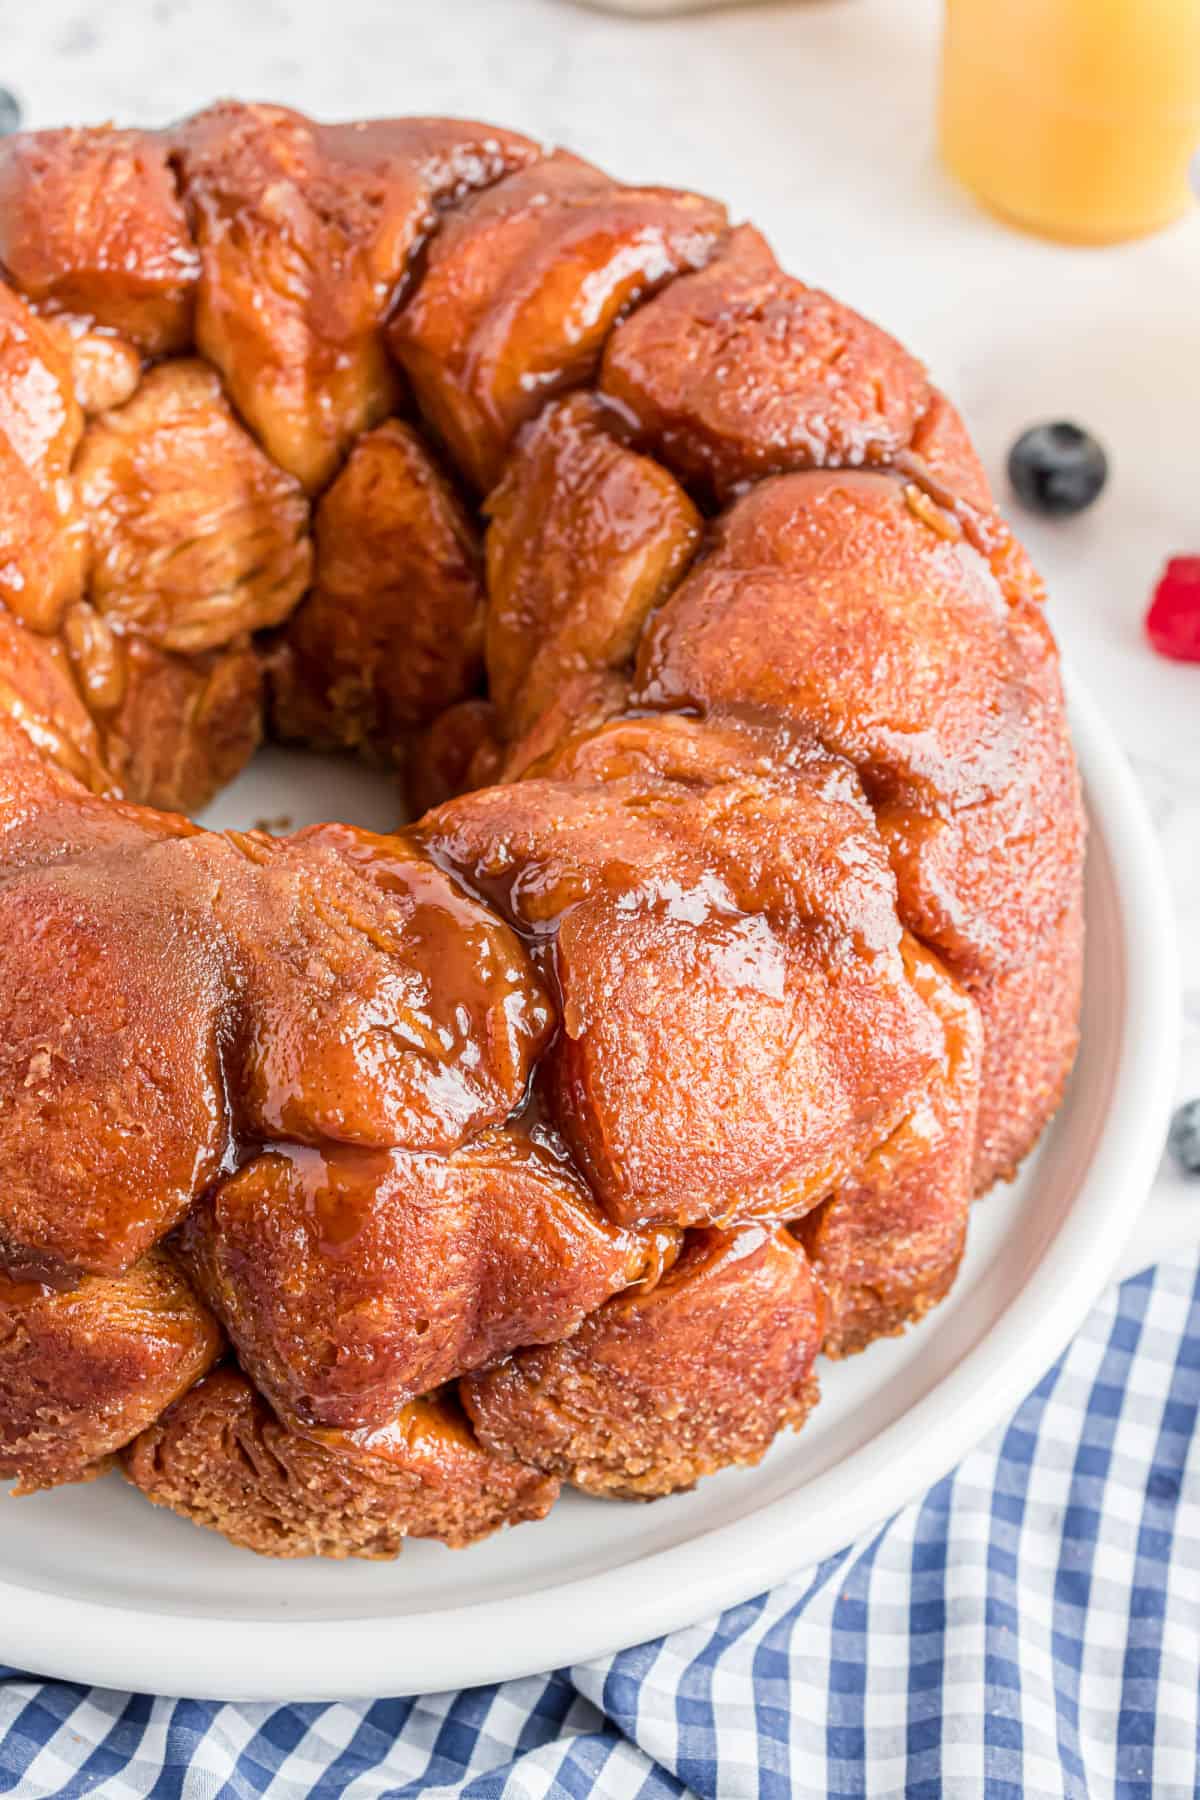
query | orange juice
(1074,118)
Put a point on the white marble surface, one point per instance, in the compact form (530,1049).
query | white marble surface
(814,118)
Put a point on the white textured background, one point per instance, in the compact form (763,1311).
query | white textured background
(816,119)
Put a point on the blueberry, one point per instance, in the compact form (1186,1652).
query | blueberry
(1057,468)
(10,111)
(1184,1136)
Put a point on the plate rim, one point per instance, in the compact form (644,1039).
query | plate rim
(725,1564)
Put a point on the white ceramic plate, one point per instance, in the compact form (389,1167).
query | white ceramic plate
(97,1586)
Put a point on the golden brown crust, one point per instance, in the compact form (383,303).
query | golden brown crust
(457,751)
(520,289)
(1031,1033)
(581,704)
(41,710)
(223,1461)
(392,630)
(85,1368)
(942,443)
(859,606)
(166,989)
(657,1389)
(113,1115)
(351,1281)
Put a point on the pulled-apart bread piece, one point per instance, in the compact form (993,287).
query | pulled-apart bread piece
(659,1388)
(220,1458)
(84,1369)
(112,1009)
(305,232)
(586,538)
(521,287)
(911,641)
(887,1245)
(381,1005)
(196,536)
(41,534)
(182,726)
(172,729)
(392,630)
(740,371)
(716,907)
(582,703)
(352,1281)
(90,223)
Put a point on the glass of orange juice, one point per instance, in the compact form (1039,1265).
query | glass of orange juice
(1074,118)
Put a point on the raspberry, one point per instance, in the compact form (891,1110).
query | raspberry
(1173,621)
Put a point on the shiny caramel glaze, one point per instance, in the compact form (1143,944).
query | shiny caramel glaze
(383,1005)
(83,1370)
(581,703)
(170,993)
(114,1111)
(693,887)
(221,1459)
(747,916)
(659,1388)
(941,444)
(741,371)
(585,539)
(304,234)
(351,1281)
(42,711)
(521,288)
(462,749)
(41,533)
(90,223)
(391,633)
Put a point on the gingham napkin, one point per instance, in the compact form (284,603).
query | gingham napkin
(1030,1628)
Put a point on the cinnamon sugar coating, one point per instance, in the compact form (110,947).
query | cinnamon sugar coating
(221,1459)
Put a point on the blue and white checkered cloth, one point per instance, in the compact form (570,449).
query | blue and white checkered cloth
(1030,1628)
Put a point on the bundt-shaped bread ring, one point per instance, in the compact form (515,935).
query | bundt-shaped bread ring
(357,1187)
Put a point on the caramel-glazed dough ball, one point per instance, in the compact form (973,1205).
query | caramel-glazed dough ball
(657,1389)
(83,1370)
